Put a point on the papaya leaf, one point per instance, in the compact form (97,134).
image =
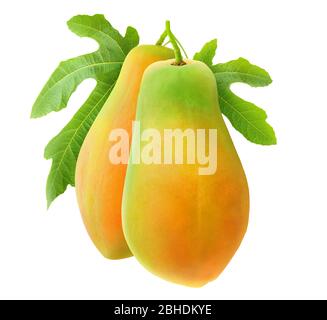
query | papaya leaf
(64,148)
(245,116)
(104,66)
(207,53)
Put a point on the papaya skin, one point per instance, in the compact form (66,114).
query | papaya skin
(181,226)
(99,183)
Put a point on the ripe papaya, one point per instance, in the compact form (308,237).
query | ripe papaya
(182,226)
(99,183)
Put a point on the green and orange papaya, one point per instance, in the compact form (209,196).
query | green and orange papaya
(99,183)
(183,226)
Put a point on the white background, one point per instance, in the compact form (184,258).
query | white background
(284,254)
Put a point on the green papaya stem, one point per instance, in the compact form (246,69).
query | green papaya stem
(184,51)
(162,39)
(177,50)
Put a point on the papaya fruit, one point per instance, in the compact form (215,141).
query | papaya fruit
(182,226)
(99,183)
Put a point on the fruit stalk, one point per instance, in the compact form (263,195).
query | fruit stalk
(178,55)
(162,39)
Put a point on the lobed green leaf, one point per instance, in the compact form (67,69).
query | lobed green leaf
(245,116)
(207,53)
(104,66)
